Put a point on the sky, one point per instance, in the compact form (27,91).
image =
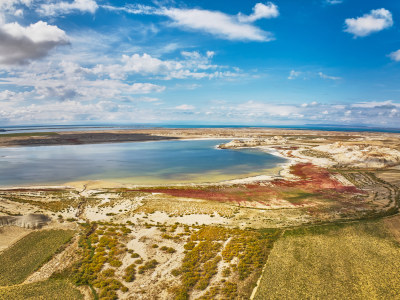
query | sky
(284,62)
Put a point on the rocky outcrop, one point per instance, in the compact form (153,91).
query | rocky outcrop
(275,140)
(362,156)
(31,221)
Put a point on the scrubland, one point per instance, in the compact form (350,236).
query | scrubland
(351,261)
(321,229)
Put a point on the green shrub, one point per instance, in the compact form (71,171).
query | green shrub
(151,264)
(130,273)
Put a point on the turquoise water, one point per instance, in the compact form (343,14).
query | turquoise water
(136,163)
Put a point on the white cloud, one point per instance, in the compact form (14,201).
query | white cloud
(194,65)
(314,103)
(49,81)
(294,74)
(63,7)
(395,55)
(10,6)
(148,65)
(213,22)
(376,20)
(8,95)
(260,11)
(371,113)
(333,2)
(19,13)
(324,76)
(216,23)
(20,44)
(184,107)
(255,109)
(376,104)
(210,54)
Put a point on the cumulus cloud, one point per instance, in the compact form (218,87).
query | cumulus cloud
(395,55)
(194,65)
(216,23)
(49,81)
(213,22)
(20,44)
(260,11)
(146,64)
(11,6)
(376,20)
(68,111)
(63,7)
(377,104)
(8,95)
(314,103)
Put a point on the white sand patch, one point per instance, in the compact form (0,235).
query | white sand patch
(189,219)
(98,213)
(365,156)
(202,219)
(70,212)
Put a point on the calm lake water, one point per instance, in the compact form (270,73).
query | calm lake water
(136,163)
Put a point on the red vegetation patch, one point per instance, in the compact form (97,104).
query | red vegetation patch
(238,194)
(314,181)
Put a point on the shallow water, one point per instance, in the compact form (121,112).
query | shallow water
(136,163)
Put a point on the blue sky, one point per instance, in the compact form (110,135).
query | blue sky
(200,62)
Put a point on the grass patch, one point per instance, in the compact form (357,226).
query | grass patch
(340,261)
(49,289)
(55,200)
(30,253)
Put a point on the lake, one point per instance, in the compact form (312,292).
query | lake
(135,163)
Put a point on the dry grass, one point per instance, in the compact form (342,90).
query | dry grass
(393,226)
(29,253)
(49,289)
(391,176)
(10,234)
(359,261)
(175,206)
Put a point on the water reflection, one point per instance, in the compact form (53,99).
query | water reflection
(140,162)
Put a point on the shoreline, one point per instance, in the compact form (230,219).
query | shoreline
(277,172)
(281,147)
(53,138)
